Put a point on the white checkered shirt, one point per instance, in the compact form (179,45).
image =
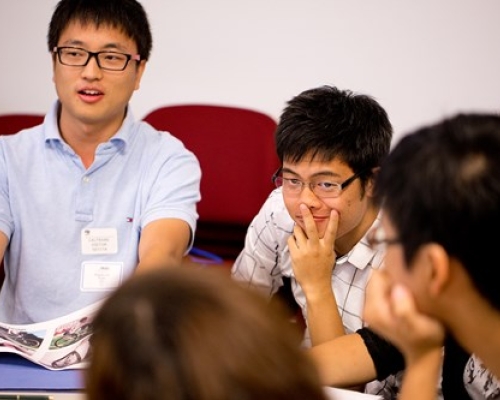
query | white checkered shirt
(265,260)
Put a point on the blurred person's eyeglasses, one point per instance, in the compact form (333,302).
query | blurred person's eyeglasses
(107,60)
(324,187)
(378,241)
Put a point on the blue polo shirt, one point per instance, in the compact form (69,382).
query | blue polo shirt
(69,226)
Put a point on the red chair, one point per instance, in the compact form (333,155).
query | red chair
(235,147)
(12,123)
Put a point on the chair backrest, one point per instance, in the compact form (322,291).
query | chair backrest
(13,123)
(236,150)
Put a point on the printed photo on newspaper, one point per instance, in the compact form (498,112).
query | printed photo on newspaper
(61,343)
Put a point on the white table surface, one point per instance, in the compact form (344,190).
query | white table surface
(343,394)
(50,395)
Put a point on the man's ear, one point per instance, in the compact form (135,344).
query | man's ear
(371,182)
(141,67)
(438,264)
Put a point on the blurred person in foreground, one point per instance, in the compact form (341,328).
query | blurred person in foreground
(440,194)
(191,333)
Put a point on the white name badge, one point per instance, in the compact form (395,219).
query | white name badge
(101,276)
(99,241)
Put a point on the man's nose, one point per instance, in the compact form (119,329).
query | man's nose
(307,194)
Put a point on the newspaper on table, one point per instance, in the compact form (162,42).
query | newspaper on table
(60,343)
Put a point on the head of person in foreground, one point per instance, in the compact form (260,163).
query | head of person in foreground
(189,333)
(440,192)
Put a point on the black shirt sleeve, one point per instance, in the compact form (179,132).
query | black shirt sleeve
(455,360)
(387,359)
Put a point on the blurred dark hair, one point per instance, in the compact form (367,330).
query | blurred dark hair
(441,184)
(196,334)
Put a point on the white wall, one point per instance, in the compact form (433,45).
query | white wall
(421,59)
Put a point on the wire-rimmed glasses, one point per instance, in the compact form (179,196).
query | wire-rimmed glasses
(322,187)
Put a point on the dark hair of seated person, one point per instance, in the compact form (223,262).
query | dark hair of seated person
(194,334)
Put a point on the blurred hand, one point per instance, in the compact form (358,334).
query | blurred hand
(390,310)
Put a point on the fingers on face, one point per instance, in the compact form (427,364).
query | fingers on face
(331,228)
(308,219)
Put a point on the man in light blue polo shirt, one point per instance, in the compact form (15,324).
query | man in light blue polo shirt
(91,195)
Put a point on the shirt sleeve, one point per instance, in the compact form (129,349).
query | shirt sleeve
(260,264)
(387,359)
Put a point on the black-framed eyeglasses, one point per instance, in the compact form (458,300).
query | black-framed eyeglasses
(107,60)
(377,239)
(323,187)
